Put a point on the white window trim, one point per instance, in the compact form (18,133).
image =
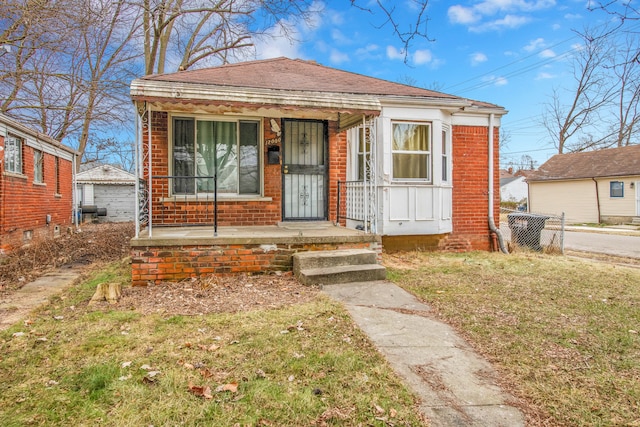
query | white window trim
(425,181)
(20,140)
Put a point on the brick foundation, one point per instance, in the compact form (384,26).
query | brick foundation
(152,265)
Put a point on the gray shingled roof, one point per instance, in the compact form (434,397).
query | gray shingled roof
(298,75)
(623,161)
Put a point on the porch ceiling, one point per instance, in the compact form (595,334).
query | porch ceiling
(348,108)
(346,118)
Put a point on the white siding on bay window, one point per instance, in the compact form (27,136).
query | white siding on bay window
(414,207)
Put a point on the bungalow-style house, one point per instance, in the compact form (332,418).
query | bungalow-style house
(36,185)
(106,193)
(288,155)
(589,187)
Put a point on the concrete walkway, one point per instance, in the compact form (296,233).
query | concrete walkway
(456,386)
(17,306)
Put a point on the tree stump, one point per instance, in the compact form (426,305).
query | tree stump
(107,291)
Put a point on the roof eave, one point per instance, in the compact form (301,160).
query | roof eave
(35,134)
(179,91)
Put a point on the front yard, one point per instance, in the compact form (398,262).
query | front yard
(265,351)
(563,332)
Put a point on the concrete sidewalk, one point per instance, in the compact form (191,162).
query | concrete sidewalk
(17,306)
(456,386)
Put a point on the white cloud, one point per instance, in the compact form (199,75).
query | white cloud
(547,53)
(502,14)
(275,44)
(336,18)
(496,80)
(367,50)
(393,53)
(462,15)
(572,16)
(478,58)
(500,81)
(544,76)
(338,37)
(535,44)
(337,57)
(421,57)
(508,22)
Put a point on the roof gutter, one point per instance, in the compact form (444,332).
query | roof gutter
(492,224)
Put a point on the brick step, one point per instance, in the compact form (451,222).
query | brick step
(341,274)
(318,259)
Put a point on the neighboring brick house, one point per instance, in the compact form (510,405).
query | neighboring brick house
(291,140)
(36,185)
(592,186)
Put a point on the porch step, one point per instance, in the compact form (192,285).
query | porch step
(340,266)
(635,220)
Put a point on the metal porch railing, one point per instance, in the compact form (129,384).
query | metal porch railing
(178,201)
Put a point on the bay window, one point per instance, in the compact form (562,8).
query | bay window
(411,151)
(226,149)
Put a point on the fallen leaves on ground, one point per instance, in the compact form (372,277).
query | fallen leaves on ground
(218,294)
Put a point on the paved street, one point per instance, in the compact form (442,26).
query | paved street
(609,243)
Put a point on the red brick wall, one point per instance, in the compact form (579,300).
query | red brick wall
(24,204)
(337,166)
(230,213)
(233,213)
(470,189)
(152,265)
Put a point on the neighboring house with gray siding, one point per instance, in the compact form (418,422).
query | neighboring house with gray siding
(107,187)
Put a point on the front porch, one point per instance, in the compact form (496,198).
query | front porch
(177,253)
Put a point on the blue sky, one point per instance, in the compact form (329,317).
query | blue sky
(508,52)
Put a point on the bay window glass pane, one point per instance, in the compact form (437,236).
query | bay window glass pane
(410,166)
(183,156)
(249,158)
(364,155)
(410,137)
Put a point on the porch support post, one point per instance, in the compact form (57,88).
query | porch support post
(137,170)
(150,202)
(366,172)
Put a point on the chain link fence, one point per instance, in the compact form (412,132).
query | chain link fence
(532,231)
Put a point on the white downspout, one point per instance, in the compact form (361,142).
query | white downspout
(492,223)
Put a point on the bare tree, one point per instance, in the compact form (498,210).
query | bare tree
(75,85)
(591,93)
(191,31)
(626,69)
(65,64)
(406,35)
